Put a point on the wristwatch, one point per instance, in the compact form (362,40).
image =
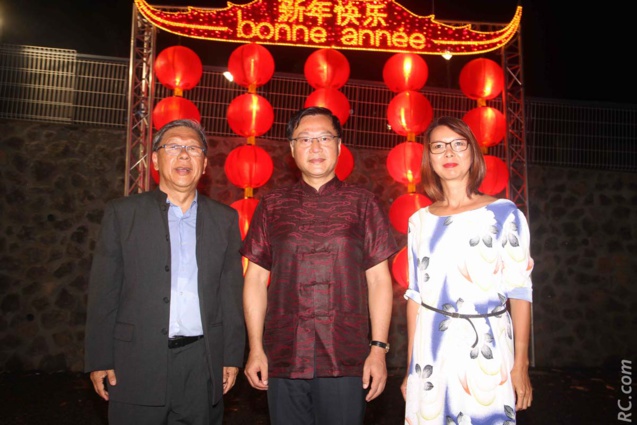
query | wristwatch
(380,344)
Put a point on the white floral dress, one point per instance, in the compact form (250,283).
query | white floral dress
(469,263)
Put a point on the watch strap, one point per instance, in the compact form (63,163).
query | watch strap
(380,344)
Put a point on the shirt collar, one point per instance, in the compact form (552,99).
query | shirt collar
(327,189)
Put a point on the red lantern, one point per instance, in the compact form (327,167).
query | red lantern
(405,71)
(326,69)
(488,124)
(173,108)
(250,115)
(497,176)
(481,79)
(409,113)
(331,99)
(248,166)
(403,207)
(245,207)
(345,163)
(399,268)
(178,68)
(404,161)
(251,65)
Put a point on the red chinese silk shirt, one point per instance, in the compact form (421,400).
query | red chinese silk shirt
(317,246)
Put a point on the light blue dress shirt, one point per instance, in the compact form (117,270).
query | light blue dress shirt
(185,316)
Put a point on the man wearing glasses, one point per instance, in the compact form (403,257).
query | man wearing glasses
(165,333)
(317,279)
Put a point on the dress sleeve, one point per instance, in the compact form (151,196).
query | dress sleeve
(517,263)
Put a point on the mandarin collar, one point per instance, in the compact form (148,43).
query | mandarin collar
(327,189)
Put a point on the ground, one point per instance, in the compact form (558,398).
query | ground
(560,397)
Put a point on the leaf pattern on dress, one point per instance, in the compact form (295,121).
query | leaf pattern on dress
(486,352)
(423,263)
(474,241)
(509,328)
(488,240)
(474,353)
(509,411)
(444,325)
(427,371)
(513,240)
(448,221)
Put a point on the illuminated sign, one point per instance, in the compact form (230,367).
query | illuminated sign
(381,25)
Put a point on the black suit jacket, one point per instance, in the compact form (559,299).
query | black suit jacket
(129,295)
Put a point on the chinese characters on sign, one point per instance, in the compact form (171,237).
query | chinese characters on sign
(381,25)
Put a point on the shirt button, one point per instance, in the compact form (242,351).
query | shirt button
(164,331)
(166,300)
(167,268)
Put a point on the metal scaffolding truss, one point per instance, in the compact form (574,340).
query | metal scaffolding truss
(513,99)
(140,104)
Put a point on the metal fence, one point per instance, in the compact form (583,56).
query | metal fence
(61,86)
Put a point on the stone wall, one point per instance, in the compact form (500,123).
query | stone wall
(55,180)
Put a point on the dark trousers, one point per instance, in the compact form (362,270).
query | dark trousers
(188,394)
(318,401)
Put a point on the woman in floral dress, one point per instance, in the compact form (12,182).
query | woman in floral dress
(468,261)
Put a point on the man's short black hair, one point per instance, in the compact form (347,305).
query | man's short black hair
(313,110)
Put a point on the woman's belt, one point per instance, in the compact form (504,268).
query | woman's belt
(468,317)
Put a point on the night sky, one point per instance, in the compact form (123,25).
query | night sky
(568,54)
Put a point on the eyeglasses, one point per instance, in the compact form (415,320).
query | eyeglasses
(323,140)
(174,150)
(457,145)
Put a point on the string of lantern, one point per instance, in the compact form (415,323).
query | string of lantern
(327,70)
(483,79)
(249,115)
(408,113)
(177,68)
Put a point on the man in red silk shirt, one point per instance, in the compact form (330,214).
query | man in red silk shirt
(323,245)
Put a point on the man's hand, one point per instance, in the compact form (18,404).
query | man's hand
(375,370)
(229,377)
(257,370)
(98,376)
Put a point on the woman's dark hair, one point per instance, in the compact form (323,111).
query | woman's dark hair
(312,110)
(181,123)
(431,182)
